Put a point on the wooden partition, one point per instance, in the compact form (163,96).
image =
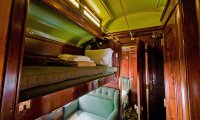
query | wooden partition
(13,39)
(181,60)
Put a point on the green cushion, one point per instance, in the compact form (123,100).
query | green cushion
(102,102)
(104,92)
(96,105)
(70,108)
(82,115)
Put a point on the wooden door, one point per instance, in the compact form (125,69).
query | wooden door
(140,78)
(156,81)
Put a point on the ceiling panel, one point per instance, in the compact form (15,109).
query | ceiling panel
(140,13)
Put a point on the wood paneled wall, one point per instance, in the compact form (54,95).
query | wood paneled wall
(181,60)
(129,70)
(191,44)
(5,10)
(13,55)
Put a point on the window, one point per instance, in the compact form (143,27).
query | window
(91,16)
(86,11)
(75,3)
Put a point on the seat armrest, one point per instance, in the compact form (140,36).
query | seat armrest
(113,115)
(70,108)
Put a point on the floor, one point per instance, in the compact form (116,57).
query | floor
(130,114)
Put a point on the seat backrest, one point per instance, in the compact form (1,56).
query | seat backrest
(125,84)
(101,101)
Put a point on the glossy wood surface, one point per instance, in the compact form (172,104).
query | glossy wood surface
(45,104)
(192,54)
(129,70)
(133,73)
(14,59)
(5,10)
(124,64)
(38,45)
(181,51)
(38,50)
(156,80)
(140,79)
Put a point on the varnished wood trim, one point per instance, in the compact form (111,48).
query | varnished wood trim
(5,10)
(165,10)
(15,48)
(138,32)
(171,13)
(41,38)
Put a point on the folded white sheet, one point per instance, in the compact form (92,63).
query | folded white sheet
(69,57)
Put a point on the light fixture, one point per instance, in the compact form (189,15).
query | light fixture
(132,38)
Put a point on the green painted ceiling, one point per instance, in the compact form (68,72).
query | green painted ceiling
(46,22)
(140,13)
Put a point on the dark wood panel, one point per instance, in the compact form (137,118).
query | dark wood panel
(138,32)
(38,50)
(124,65)
(41,46)
(192,50)
(5,10)
(141,80)
(156,81)
(170,83)
(45,104)
(14,58)
(133,76)
(185,53)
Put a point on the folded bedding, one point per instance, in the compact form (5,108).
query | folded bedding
(33,76)
(80,63)
(68,57)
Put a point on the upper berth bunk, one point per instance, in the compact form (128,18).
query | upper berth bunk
(45,86)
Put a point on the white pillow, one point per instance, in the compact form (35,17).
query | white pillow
(100,56)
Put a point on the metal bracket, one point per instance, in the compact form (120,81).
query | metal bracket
(24,105)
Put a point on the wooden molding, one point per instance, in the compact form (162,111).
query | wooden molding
(138,32)
(14,58)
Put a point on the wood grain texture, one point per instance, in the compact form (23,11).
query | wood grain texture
(5,10)
(192,55)
(140,79)
(180,54)
(14,58)
(38,50)
(170,93)
(48,103)
(156,81)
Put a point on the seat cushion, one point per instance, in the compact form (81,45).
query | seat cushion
(96,105)
(81,115)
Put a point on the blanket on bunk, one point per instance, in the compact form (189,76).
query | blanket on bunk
(33,76)
(60,62)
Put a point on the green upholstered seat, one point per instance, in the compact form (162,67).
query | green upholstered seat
(125,90)
(100,104)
